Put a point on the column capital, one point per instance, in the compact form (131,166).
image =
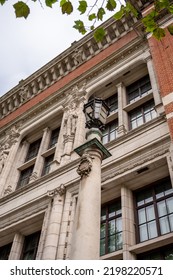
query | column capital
(60,191)
(121,84)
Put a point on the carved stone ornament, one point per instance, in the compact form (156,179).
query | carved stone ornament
(60,190)
(85,165)
(78,56)
(8,190)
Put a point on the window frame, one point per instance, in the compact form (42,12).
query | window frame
(33,150)
(112,101)
(137,86)
(143,112)
(34,249)
(47,164)
(54,137)
(106,222)
(26,179)
(108,126)
(161,251)
(154,202)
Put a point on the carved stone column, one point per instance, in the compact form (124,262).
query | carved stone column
(54,223)
(86,234)
(17,247)
(122,115)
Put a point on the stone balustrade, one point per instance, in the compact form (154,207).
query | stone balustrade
(73,57)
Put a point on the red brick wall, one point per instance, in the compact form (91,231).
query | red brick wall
(70,77)
(162,53)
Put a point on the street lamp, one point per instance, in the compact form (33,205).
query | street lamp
(86,235)
(96,112)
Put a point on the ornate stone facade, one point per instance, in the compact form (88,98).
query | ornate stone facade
(43,124)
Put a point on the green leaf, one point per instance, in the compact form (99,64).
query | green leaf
(170,29)
(92,27)
(67,8)
(159,33)
(21,9)
(100,13)
(50,2)
(170,9)
(82,7)
(79,25)
(99,34)
(62,2)
(120,13)
(92,16)
(111,5)
(2,2)
(130,8)
(161,4)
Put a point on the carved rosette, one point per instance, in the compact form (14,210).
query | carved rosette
(85,165)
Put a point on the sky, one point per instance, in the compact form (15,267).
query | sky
(28,44)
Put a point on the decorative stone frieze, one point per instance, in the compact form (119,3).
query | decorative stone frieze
(62,65)
(60,190)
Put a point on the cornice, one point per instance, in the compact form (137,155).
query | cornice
(79,53)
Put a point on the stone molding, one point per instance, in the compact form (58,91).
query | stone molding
(137,160)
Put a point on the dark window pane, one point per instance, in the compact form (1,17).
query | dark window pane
(30,246)
(24,176)
(112,102)
(54,137)
(138,89)
(142,114)
(5,251)
(110,132)
(47,164)
(33,150)
(111,228)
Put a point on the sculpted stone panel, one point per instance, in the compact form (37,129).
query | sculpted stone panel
(8,140)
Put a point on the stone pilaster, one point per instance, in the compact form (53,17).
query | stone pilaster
(128,222)
(53,226)
(17,246)
(156,94)
(122,115)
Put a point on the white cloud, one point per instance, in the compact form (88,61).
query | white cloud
(26,45)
